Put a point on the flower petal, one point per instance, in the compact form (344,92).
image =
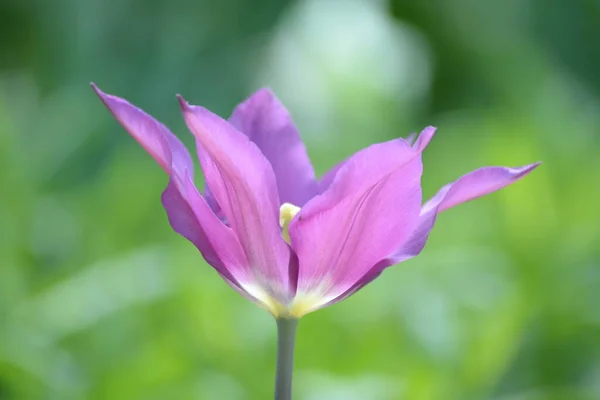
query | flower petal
(243,183)
(329,176)
(371,206)
(269,125)
(476,184)
(327,179)
(424,138)
(157,139)
(192,218)
(470,186)
(187,211)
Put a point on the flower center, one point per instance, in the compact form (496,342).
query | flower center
(302,303)
(287,212)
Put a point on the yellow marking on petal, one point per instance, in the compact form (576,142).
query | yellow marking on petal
(287,212)
(264,299)
(306,303)
(300,305)
(267,301)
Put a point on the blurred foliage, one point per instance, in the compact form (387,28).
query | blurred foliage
(99,299)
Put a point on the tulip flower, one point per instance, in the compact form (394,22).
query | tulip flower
(284,239)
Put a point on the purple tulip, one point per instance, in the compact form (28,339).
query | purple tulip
(284,239)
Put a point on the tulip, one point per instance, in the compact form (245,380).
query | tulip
(284,239)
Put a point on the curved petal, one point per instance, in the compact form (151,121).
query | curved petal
(424,138)
(188,213)
(327,179)
(476,184)
(469,187)
(243,183)
(192,218)
(329,176)
(157,139)
(268,124)
(371,206)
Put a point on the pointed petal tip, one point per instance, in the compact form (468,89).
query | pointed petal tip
(107,99)
(198,113)
(424,138)
(264,91)
(524,170)
(258,98)
(98,91)
(182,103)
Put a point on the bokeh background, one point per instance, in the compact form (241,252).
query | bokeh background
(99,299)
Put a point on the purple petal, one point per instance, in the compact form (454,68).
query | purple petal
(327,179)
(243,183)
(424,139)
(470,186)
(187,211)
(192,218)
(269,125)
(157,139)
(476,184)
(371,206)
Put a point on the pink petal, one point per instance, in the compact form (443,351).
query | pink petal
(243,183)
(157,139)
(371,206)
(470,186)
(192,218)
(269,125)
(327,179)
(424,139)
(476,184)
(187,210)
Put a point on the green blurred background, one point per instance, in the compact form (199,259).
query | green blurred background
(99,299)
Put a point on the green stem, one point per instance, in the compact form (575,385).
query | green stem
(286,336)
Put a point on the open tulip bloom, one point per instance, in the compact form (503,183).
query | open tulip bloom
(282,238)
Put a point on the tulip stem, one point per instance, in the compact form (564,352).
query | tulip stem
(286,336)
